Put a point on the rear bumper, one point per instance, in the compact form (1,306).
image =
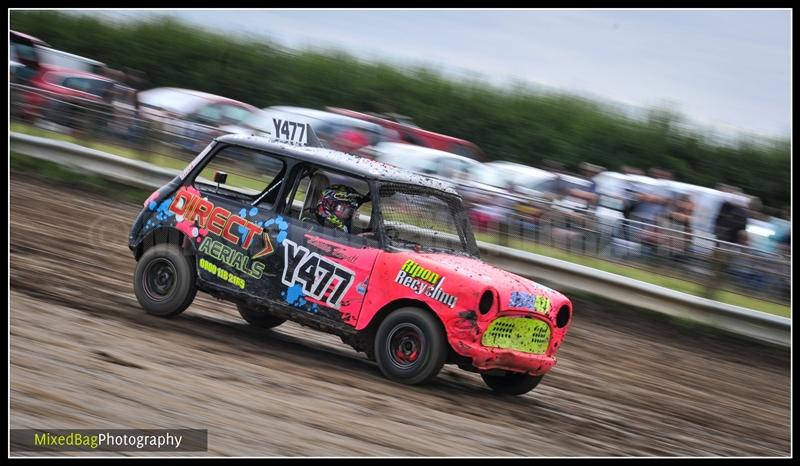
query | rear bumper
(485,358)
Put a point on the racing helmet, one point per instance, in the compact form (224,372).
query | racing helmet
(337,205)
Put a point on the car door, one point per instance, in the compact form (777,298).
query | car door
(229,220)
(326,271)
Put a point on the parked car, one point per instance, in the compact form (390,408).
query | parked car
(34,53)
(397,275)
(410,133)
(190,119)
(433,162)
(66,97)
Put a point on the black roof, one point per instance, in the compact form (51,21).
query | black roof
(333,159)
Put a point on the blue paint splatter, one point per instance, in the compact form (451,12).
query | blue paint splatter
(283,227)
(243,213)
(153,205)
(162,212)
(281,236)
(253,211)
(294,294)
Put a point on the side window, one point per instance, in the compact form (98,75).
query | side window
(460,149)
(25,53)
(98,87)
(252,175)
(91,86)
(208,114)
(75,83)
(231,114)
(453,169)
(330,202)
(547,186)
(55,78)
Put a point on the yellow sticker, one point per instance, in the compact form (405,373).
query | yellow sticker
(519,334)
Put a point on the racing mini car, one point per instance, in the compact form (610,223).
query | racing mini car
(379,256)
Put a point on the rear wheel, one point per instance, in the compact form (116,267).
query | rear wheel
(258,317)
(410,346)
(512,383)
(164,281)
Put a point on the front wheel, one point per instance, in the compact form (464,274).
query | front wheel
(410,346)
(512,383)
(258,318)
(164,281)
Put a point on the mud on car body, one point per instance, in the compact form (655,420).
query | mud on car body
(404,283)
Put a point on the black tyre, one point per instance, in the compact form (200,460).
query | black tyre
(258,317)
(410,346)
(512,383)
(164,281)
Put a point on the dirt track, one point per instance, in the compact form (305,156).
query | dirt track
(85,355)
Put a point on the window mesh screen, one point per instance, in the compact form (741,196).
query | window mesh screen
(415,217)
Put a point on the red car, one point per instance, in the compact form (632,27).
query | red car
(379,256)
(407,132)
(61,94)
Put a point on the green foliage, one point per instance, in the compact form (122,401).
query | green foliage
(519,124)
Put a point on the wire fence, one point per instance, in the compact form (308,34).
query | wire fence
(532,224)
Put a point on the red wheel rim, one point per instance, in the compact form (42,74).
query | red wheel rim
(405,344)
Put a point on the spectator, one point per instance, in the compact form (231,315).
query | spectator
(588,193)
(730,228)
(628,170)
(576,197)
(139,131)
(731,222)
(649,207)
(679,218)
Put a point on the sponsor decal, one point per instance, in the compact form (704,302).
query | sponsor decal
(318,277)
(415,270)
(231,257)
(222,274)
(331,249)
(188,206)
(424,282)
(538,303)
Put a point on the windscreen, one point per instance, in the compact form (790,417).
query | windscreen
(424,219)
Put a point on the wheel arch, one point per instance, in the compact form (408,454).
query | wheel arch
(366,335)
(164,235)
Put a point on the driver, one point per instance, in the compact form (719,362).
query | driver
(337,206)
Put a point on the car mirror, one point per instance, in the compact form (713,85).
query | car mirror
(220,177)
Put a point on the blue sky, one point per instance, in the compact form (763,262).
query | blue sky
(727,70)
